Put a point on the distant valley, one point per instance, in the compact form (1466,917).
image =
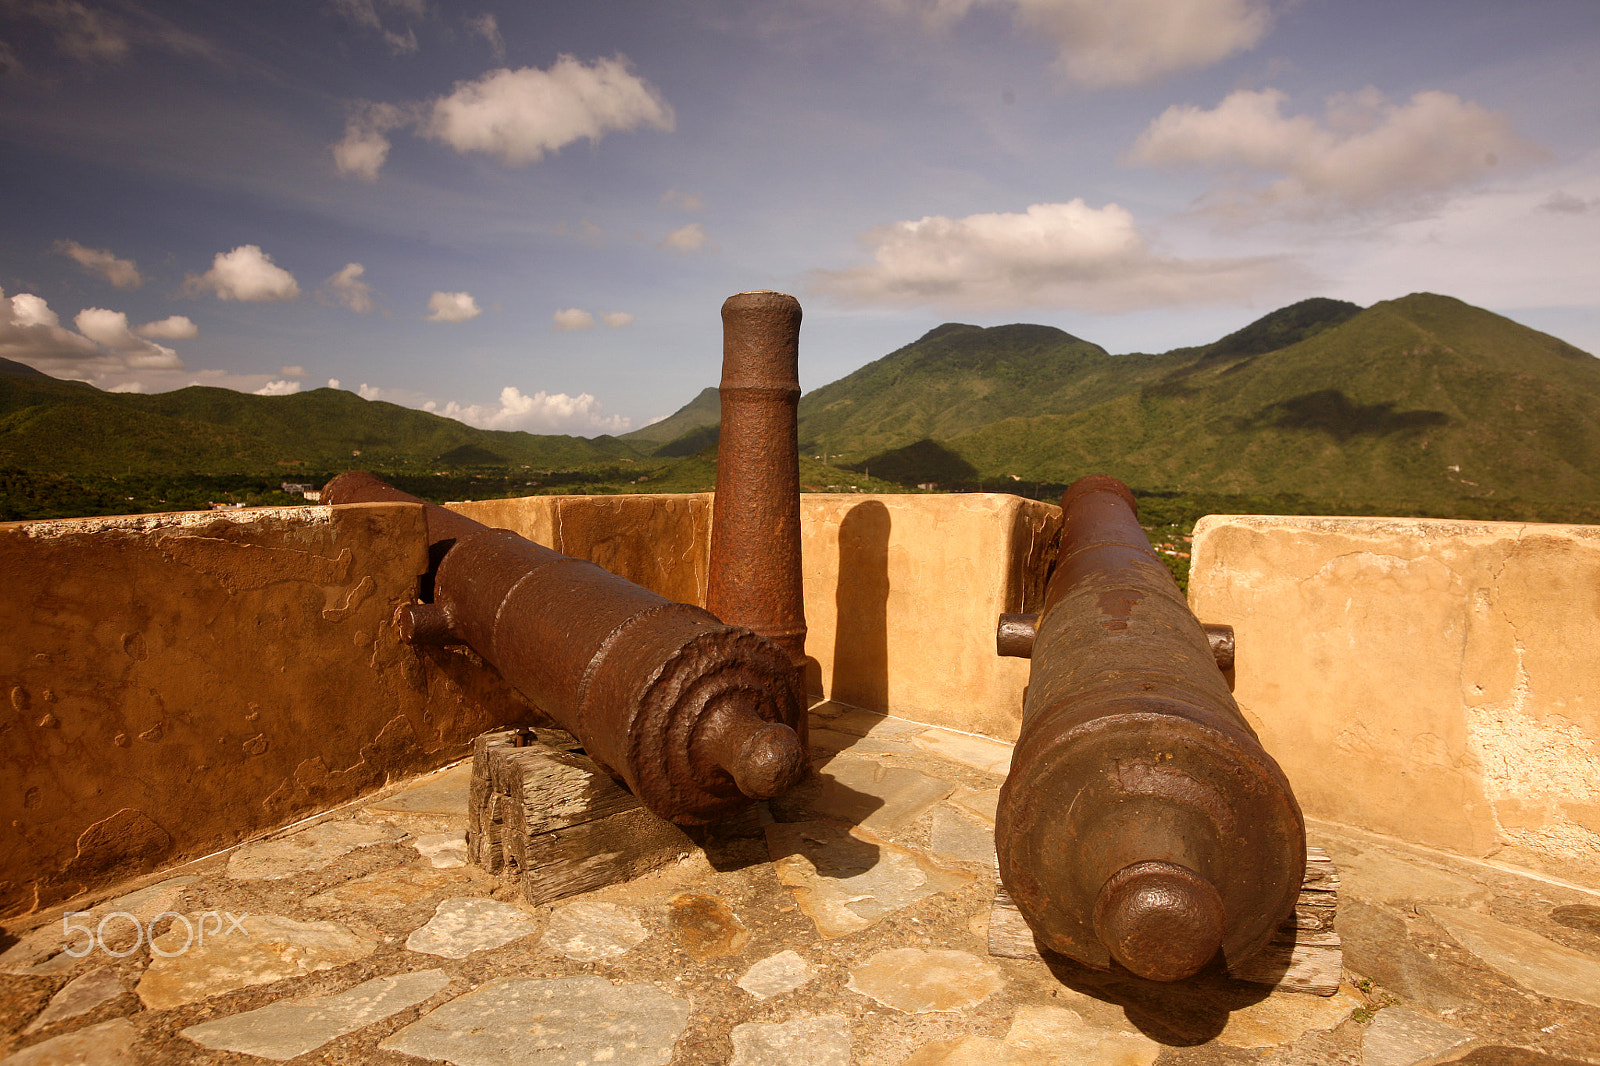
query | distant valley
(1422,404)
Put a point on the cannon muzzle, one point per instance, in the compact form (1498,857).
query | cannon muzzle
(1142,821)
(699,718)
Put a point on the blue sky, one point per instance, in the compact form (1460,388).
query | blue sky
(528,215)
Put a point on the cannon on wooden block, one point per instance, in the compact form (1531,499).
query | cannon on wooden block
(698,718)
(1141,821)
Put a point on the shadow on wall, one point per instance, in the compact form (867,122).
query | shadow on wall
(861,634)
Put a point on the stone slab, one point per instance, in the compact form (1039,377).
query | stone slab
(284,1030)
(833,741)
(1533,961)
(269,948)
(462,925)
(980,753)
(1043,1036)
(777,974)
(865,793)
(391,889)
(846,880)
(983,802)
(107,1044)
(306,850)
(523,1021)
(1401,1037)
(808,1041)
(442,794)
(588,932)
(706,926)
(1283,1019)
(444,851)
(40,952)
(1386,878)
(80,996)
(961,838)
(921,981)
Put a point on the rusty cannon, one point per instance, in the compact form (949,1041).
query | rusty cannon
(1141,821)
(698,718)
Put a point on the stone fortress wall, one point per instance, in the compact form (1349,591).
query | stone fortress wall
(174,684)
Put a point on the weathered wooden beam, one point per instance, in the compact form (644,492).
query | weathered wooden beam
(1304,955)
(545,817)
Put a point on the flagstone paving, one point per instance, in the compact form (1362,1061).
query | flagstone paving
(847,924)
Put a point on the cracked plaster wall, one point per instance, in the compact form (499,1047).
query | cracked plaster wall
(174,684)
(1437,681)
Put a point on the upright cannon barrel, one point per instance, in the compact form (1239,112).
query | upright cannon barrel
(1142,821)
(699,718)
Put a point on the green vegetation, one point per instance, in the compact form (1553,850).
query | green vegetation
(1422,406)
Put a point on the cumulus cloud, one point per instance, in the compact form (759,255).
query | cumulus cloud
(246,273)
(572,318)
(690,238)
(1363,152)
(683,201)
(453,307)
(381,18)
(122,273)
(101,350)
(1051,256)
(516,116)
(346,289)
(171,328)
(519,115)
(543,412)
(365,146)
(618,319)
(488,27)
(278,388)
(1125,42)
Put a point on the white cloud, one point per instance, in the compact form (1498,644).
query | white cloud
(346,289)
(1052,256)
(618,319)
(102,351)
(572,318)
(278,388)
(110,328)
(683,201)
(246,273)
(542,412)
(519,115)
(1122,42)
(453,307)
(488,27)
(171,328)
(333,383)
(365,146)
(1364,152)
(122,273)
(690,238)
(366,14)
(295,372)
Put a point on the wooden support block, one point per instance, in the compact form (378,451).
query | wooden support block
(545,817)
(1304,955)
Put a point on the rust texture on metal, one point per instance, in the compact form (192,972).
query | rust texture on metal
(1142,821)
(754,575)
(698,717)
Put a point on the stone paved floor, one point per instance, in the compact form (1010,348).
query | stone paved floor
(847,926)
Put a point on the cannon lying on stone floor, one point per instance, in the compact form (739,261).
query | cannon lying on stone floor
(1141,821)
(698,717)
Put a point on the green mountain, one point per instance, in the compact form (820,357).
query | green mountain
(1423,400)
(52,426)
(704,410)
